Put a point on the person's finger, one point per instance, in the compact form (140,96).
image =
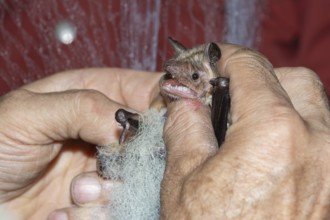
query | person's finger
(190,140)
(81,114)
(188,130)
(254,87)
(91,195)
(77,213)
(306,92)
(133,88)
(89,190)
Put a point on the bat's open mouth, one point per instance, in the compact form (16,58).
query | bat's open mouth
(173,88)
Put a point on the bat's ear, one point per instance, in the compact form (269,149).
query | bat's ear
(212,53)
(177,46)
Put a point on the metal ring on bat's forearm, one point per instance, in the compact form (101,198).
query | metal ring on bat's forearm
(220,107)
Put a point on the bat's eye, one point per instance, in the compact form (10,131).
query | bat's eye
(195,76)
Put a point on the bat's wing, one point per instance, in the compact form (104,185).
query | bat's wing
(220,107)
(128,120)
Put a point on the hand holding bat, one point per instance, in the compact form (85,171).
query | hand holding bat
(274,162)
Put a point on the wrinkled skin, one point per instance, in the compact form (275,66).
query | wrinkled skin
(37,163)
(275,161)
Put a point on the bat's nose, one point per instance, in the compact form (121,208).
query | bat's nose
(168,75)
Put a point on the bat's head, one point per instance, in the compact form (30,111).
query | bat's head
(188,73)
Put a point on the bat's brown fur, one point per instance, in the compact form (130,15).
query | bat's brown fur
(191,68)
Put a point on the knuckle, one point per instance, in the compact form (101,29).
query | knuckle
(304,71)
(312,86)
(252,58)
(11,100)
(285,124)
(309,79)
(306,91)
(16,94)
(89,100)
(251,62)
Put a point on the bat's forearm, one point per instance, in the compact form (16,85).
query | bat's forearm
(220,107)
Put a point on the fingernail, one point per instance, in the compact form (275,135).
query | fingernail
(58,215)
(86,189)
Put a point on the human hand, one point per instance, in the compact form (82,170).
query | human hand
(274,163)
(37,162)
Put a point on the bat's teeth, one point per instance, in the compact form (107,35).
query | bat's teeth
(182,88)
(179,88)
(173,87)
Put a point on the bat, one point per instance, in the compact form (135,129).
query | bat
(191,73)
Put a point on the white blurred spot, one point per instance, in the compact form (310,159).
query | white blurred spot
(65,32)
